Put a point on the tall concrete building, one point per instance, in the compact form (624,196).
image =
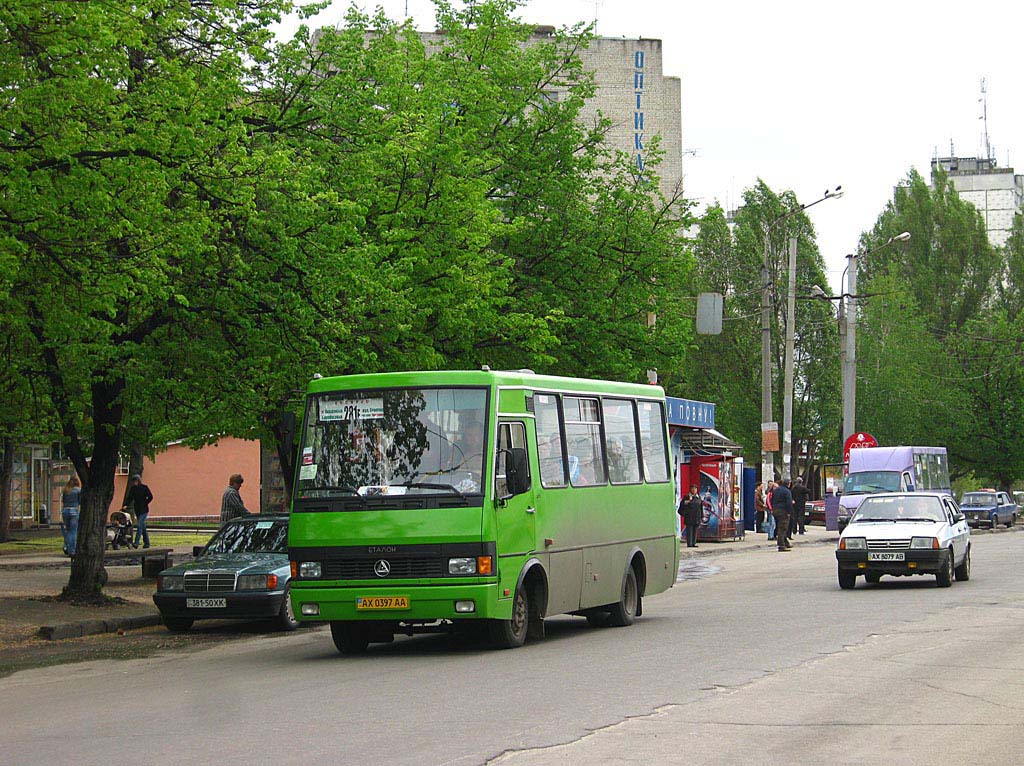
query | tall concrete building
(996,192)
(634,93)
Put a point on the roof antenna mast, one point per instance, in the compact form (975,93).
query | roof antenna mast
(984,117)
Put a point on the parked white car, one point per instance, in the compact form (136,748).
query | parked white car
(902,534)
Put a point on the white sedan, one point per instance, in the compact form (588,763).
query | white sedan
(902,534)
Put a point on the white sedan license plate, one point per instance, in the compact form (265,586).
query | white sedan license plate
(885,556)
(206,603)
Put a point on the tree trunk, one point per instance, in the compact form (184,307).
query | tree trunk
(284,443)
(6,480)
(135,465)
(87,573)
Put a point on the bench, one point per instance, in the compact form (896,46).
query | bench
(154,560)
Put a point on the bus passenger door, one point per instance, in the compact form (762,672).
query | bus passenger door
(517,514)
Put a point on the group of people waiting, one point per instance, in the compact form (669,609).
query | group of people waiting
(780,510)
(136,503)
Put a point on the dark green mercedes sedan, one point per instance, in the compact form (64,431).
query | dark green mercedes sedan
(242,573)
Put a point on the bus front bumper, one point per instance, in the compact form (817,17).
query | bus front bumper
(324,601)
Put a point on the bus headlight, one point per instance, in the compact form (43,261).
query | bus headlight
(309,569)
(462,566)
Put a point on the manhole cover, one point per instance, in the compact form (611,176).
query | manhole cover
(695,569)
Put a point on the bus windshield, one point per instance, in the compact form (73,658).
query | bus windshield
(867,482)
(394,441)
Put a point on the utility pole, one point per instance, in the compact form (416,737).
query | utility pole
(787,401)
(849,335)
(767,456)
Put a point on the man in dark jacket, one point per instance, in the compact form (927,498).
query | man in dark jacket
(138,499)
(691,508)
(800,495)
(782,509)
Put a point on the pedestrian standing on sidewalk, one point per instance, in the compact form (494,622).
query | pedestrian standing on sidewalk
(138,499)
(800,495)
(768,505)
(759,508)
(782,508)
(70,506)
(691,508)
(231,504)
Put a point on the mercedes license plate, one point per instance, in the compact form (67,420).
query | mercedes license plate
(382,602)
(886,556)
(206,603)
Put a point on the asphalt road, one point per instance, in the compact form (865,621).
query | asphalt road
(758,659)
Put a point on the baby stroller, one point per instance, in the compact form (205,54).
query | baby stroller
(119,530)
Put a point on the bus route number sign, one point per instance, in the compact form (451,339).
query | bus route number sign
(352,409)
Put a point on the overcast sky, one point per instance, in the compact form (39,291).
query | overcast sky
(810,95)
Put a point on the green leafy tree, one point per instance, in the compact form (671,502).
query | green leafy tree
(943,328)
(948,261)
(129,188)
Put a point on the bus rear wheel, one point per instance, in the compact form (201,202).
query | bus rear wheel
(510,634)
(624,612)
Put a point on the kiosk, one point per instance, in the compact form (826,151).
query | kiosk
(703,456)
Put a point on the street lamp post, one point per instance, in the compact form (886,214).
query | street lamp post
(767,456)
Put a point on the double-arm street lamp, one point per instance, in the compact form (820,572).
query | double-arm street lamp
(847,302)
(767,456)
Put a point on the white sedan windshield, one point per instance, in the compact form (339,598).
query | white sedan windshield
(899,509)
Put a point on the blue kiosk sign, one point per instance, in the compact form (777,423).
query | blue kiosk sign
(690,413)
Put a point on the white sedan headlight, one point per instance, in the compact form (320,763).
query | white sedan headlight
(853,543)
(924,542)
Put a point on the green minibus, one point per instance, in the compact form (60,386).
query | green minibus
(436,501)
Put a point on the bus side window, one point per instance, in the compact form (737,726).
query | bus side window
(620,435)
(583,436)
(550,448)
(652,441)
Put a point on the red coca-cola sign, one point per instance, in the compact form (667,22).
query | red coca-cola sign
(856,441)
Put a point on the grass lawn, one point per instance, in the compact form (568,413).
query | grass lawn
(50,542)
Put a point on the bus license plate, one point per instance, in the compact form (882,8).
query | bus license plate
(383,602)
(206,603)
(888,556)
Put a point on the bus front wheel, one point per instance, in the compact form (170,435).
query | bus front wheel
(509,634)
(350,637)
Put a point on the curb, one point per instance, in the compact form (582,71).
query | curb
(93,627)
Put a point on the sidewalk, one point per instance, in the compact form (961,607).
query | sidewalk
(29,609)
(815,535)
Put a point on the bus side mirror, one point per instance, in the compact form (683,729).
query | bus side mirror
(517,471)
